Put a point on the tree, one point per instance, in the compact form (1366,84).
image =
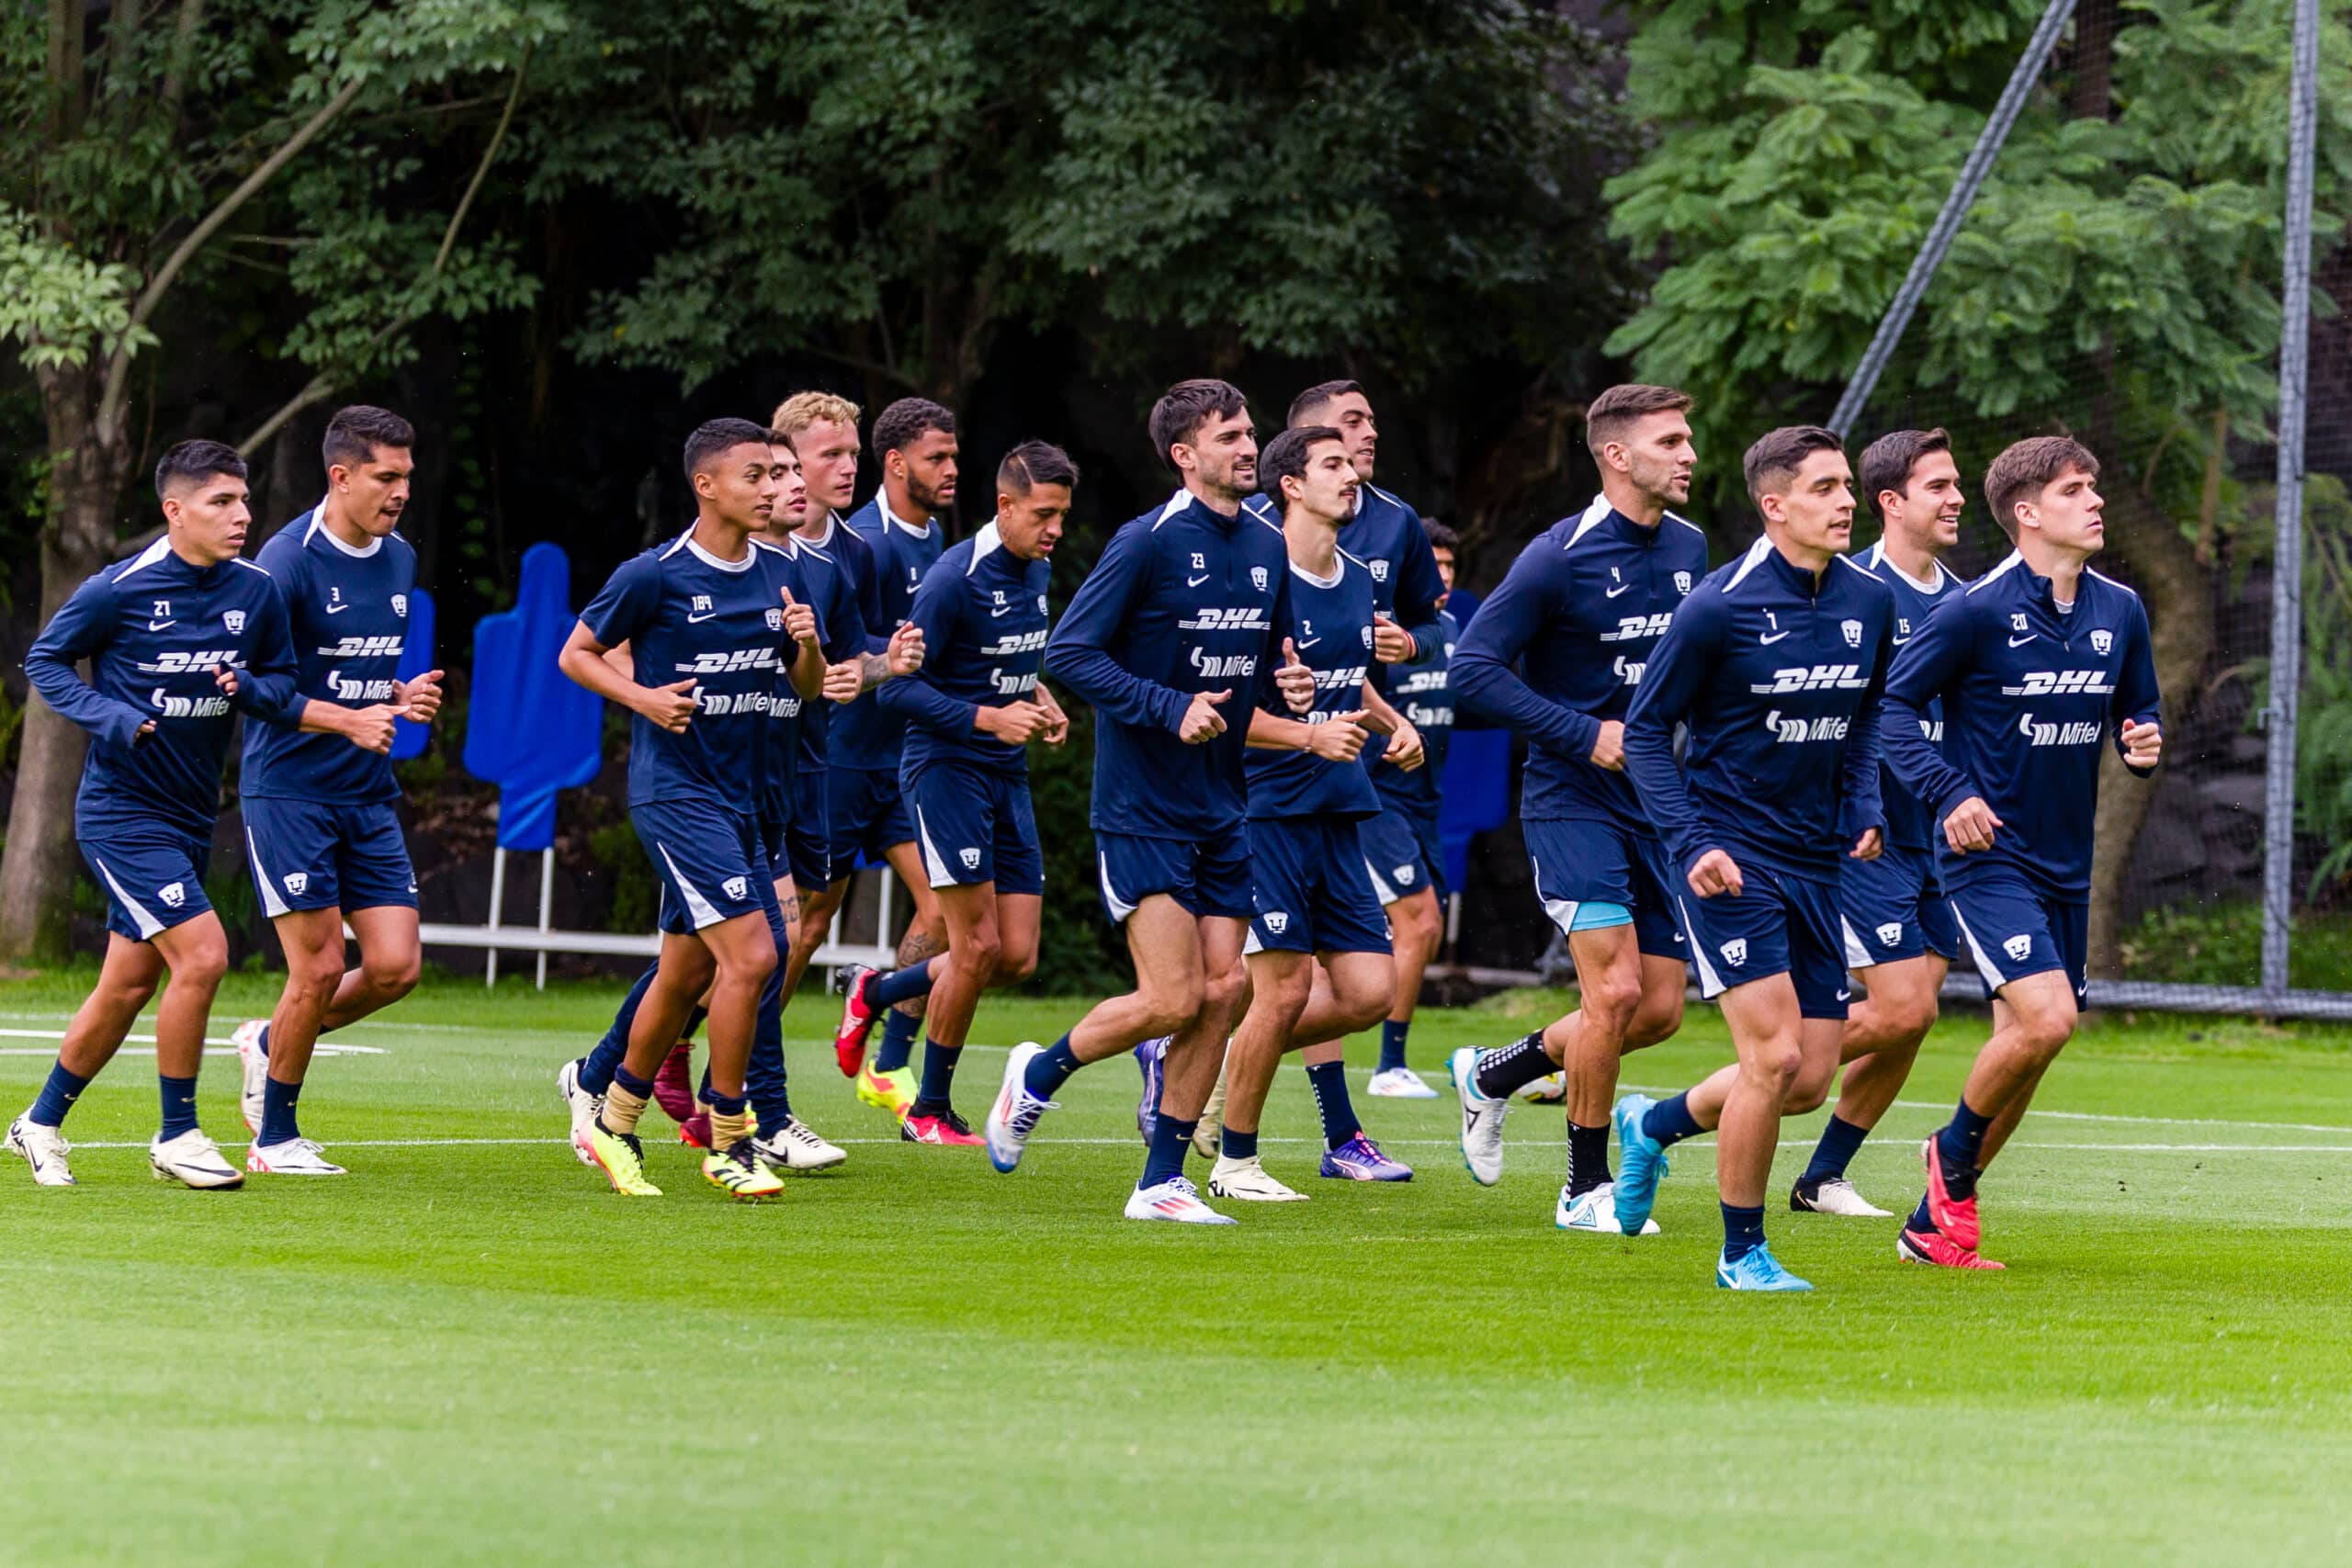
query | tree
(2116,277)
(157,129)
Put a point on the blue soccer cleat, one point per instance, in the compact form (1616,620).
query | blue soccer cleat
(1360,1159)
(1150,1057)
(1756,1270)
(1641,1164)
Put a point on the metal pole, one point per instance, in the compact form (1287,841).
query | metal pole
(546,905)
(1947,224)
(497,903)
(2287,567)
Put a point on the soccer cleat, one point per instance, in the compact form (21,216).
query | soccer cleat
(1594,1212)
(1549,1089)
(290,1157)
(947,1129)
(1482,1120)
(584,1107)
(192,1161)
(740,1174)
(43,1148)
(1208,1132)
(1151,1057)
(1639,1165)
(1012,1115)
(1174,1199)
(1835,1195)
(1247,1179)
(796,1149)
(1360,1159)
(673,1084)
(1955,1217)
(1935,1248)
(1399,1083)
(858,1020)
(893,1091)
(1757,1269)
(695,1131)
(622,1159)
(252,1064)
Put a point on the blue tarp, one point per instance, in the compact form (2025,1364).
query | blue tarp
(530,730)
(416,658)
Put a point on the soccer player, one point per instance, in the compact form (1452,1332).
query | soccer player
(175,636)
(1308,792)
(1176,621)
(725,613)
(320,826)
(1900,938)
(2033,662)
(1776,663)
(1557,654)
(971,714)
(869,813)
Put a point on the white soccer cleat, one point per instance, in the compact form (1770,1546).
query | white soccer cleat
(252,1064)
(1013,1113)
(1400,1083)
(1836,1195)
(291,1157)
(1549,1089)
(192,1161)
(1247,1179)
(795,1147)
(1174,1199)
(1594,1213)
(1482,1120)
(43,1148)
(584,1107)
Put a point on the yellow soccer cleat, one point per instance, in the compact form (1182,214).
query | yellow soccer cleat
(893,1091)
(622,1159)
(740,1174)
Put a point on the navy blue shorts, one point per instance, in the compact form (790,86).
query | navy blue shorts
(1581,860)
(975,825)
(312,856)
(1312,890)
(153,875)
(1207,877)
(1894,908)
(808,841)
(1778,925)
(2012,929)
(711,861)
(776,844)
(865,813)
(1400,848)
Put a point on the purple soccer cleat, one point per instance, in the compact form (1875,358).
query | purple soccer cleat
(1150,1056)
(1360,1159)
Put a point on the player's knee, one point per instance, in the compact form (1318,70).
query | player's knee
(1012,967)
(1775,1066)
(2047,1029)
(1659,1018)
(1809,1088)
(312,978)
(1368,1007)
(1228,992)
(1611,1001)
(1911,1016)
(981,954)
(200,965)
(1171,1005)
(392,975)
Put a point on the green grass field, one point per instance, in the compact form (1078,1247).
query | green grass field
(470,1351)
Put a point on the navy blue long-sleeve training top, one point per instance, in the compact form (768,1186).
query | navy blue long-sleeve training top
(1908,825)
(1183,600)
(1330,625)
(982,611)
(347,614)
(864,735)
(839,566)
(1779,675)
(154,629)
(835,599)
(2029,691)
(1418,690)
(1560,648)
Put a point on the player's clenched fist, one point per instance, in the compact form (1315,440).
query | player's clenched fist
(1970,826)
(1391,644)
(671,707)
(420,698)
(1202,722)
(799,621)
(844,681)
(1340,738)
(2143,744)
(1294,680)
(904,655)
(1715,872)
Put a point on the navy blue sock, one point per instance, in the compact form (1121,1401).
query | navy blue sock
(278,1122)
(900,985)
(725,1104)
(696,1014)
(1670,1121)
(1743,1230)
(1051,1068)
(1503,1071)
(1961,1140)
(938,1077)
(1588,1158)
(643,1088)
(179,1104)
(1235,1144)
(1920,1220)
(1392,1043)
(764,1073)
(897,1046)
(1330,1082)
(1834,1152)
(1169,1139)
(57,1097)
(596,1069)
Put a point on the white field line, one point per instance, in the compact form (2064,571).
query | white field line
(1136,1143)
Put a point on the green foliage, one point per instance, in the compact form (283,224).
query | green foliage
(636,894)
(2221,945)
(59,306)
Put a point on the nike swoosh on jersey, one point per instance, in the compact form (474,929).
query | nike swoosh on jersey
(159,625)
(337,609)
(2021,641)
(1768,641)
(697,620)
(999,610)
(1196,581)
(1620,588)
